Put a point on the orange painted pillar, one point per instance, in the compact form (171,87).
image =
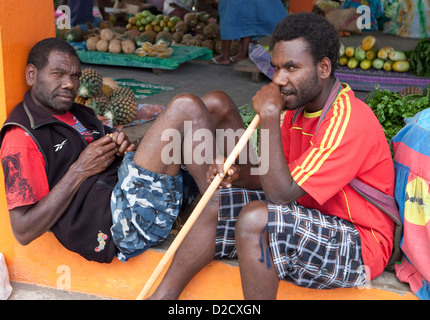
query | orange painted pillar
(22,24)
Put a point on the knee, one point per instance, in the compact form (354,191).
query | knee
(218,102)
(252,220)
(186,106)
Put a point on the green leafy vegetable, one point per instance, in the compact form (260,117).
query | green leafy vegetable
(248,113)
(419,59)
(391,109)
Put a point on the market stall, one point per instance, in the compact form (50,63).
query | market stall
(365,63)
(158,42)
(147,40)
(180,54)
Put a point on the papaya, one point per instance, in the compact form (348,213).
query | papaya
(397,56)
(359,54)
(365,64)
(368,42)
(341,49)
(388,65)
(401,66)
(349,52)
(371,54)
(343,61)
(352,63)
(383,52)
(146,13)
(377,64)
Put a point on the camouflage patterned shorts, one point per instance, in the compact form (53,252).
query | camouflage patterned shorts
(144,206)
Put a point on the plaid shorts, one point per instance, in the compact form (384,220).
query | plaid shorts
(307,248)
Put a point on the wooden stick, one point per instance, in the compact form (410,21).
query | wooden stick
(199,208)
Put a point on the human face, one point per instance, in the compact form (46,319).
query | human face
(54,87)
(295,73)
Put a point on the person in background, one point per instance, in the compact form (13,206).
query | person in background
(158,4)
(376,11)
(177,7)
(81,12)
(209,6)
(246,20)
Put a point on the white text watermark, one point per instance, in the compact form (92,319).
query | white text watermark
(200,147)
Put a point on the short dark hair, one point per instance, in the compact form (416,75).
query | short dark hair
(39,54)
(318,32)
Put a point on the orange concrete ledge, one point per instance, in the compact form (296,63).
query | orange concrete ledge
(45,262)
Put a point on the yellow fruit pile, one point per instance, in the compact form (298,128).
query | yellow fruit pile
(367,55)
(195,29)
(160,50)
(146,20)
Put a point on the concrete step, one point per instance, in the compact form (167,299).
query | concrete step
(385,287)
(28,291)
(46,271)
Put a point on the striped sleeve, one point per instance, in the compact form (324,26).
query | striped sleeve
(327,141)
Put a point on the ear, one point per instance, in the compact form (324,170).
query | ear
(30,74)
(324,68)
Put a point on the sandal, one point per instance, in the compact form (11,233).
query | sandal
(215,61)
(234,60)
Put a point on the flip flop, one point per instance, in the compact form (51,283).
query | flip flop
(214,61)
(233,60)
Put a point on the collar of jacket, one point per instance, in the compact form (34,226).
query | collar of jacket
(39,117)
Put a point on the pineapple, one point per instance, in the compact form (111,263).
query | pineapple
(177,36)
(80,100)
(191,19)
(74,34)
(110,82)
(147,36)
(164,36)
(99,103)
(211,30)
(123,109)
(123,92)
(60,33)
(106,90)
(91,82)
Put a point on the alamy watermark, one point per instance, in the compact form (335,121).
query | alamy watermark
(63,22)
(364,21)
(64,281)
(201,147)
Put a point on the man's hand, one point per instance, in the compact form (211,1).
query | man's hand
(122,143)
(229,177)
(268,98)
(95,158)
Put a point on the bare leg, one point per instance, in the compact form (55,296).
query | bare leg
(184,107)
(258,281)
(198,248)
(243,53)
(224,113)
(195,252)
(225,53)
